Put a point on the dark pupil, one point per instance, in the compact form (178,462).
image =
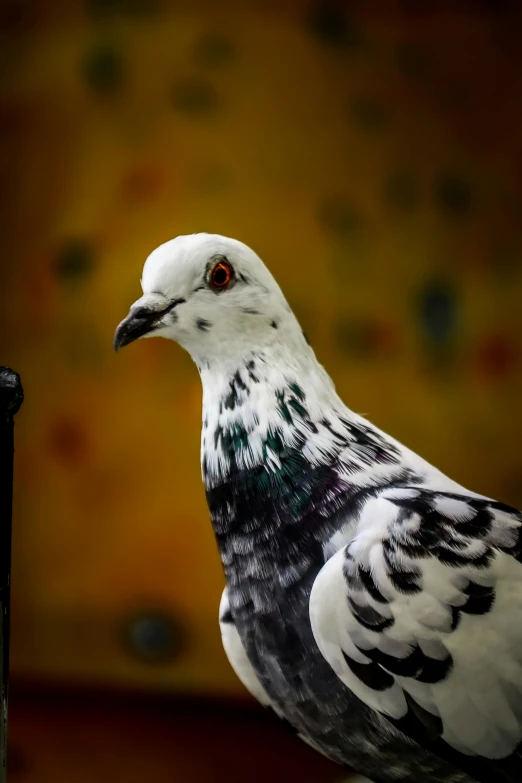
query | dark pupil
(220,276)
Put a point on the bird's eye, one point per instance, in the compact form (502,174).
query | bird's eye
(221,275)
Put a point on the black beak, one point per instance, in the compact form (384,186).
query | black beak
(139,321)
(145,315)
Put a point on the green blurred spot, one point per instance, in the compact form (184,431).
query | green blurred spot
(453,195)
(401,190)
(154,637)
(75,260)
(194,96)
(214,51)
(102,69)
(330,25)
(368,113)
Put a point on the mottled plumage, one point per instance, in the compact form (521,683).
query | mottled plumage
(371,601)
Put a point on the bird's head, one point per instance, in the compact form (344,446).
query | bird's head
(211,294)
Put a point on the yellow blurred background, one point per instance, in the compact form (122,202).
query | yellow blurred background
(369,152)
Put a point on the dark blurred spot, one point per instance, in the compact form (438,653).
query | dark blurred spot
(401,190)
(17,16)
(368,113)
(214,51)
(75,260)
(496,356)
(142,183)
(364,338)
(413,61)
(339,217)
(102,69)
(330,25)
(438,311)
(153,636)
(68,442)
(453,195)
(194,96)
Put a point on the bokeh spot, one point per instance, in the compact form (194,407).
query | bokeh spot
(438,311)
(102,69)
(496,356)
(75,260)
(153,636)
(330,25)
(194,96)
(68,442)
(453,195)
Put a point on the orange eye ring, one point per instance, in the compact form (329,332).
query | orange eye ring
(221,275)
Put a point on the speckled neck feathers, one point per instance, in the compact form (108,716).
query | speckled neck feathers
(277,438)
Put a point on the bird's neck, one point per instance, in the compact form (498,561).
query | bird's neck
(278,405)
(285,463)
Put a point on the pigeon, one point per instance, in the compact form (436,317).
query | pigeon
(371,602)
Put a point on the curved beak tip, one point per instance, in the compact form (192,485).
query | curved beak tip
(120,337)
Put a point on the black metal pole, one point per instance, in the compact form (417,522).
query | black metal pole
(11,397)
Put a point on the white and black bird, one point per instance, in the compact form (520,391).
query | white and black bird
(371,601)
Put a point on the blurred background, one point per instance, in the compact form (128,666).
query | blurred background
(370,153)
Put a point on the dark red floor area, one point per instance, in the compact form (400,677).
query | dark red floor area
(61,736)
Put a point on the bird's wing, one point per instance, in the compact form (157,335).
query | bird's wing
(421,617)
(236,653)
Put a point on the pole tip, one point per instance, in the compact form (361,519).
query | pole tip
(11,392)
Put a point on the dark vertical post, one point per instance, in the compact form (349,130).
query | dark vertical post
(11,397)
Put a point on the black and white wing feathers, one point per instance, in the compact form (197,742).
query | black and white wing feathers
(421,617)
